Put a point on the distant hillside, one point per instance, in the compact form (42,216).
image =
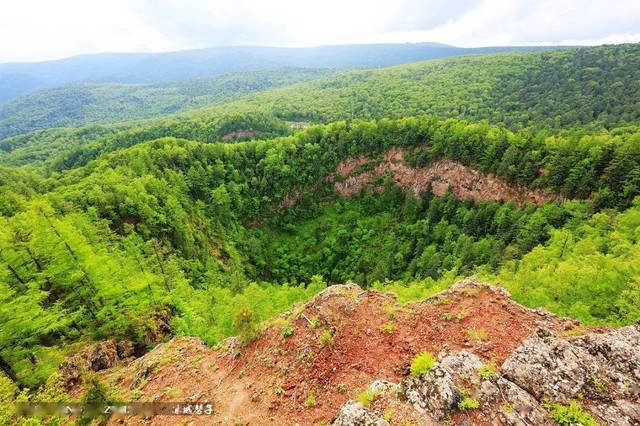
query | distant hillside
(596,87)
(20,78)
(91,103)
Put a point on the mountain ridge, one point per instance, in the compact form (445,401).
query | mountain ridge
(20,78)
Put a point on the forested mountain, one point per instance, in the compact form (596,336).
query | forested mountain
(521,168)
(20,78)
(91,103)
(589,87)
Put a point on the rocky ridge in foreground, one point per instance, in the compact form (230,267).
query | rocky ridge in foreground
(346,358)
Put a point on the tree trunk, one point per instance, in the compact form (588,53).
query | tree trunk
(6,368)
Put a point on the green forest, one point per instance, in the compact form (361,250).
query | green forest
(94,103)
(587,89)
(108,231)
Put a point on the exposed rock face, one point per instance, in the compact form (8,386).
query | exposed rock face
(600,369)
(384,386)
(546,366)
(464,181)
(463,363)
(354,414)
(523,408)
(142,368)
(436,391)
(99,356)
(619,350)
(335,301)
(239,134)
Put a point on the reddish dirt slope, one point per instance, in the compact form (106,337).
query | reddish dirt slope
(342,340)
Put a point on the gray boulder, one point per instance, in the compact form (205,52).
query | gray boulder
(619,350)
(434,392)
(354,414)
(515,406)
(549,366)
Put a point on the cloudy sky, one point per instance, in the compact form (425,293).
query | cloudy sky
(32,30)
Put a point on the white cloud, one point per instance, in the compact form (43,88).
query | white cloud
(45,29)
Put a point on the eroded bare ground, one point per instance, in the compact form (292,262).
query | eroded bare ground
(346,338)
(464,182)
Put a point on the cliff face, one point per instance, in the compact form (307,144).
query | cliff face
(463,181)
(345,358)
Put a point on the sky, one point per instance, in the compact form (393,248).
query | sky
(35,30)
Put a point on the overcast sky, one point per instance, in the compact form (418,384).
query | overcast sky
(32,30)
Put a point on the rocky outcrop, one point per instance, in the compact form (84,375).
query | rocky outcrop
(434,391)
(619,350)
(599,370)
(437,391)
(549,367)
(511,404)
(335,302)
(442,175)
(99,356)
(354,414)
(526,366)
(143,367)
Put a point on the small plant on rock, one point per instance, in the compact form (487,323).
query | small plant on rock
(488,369)
(480,335)
(506,407)
(569,414)
(313,322)
(468,403)
(599,384)
(390,311)
(368,396)
(246,323)
(388,415)
(422,363)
